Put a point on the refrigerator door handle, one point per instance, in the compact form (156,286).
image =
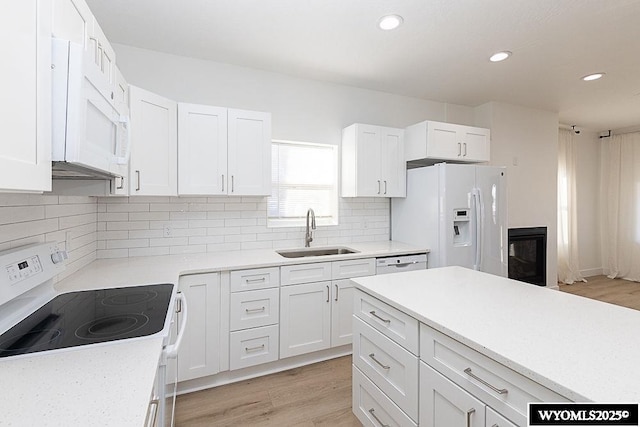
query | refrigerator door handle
(477,205)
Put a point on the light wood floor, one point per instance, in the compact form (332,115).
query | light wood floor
(314,395)
(320,394)
(614,291)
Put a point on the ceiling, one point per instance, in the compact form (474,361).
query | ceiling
(440,53)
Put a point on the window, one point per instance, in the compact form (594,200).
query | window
(303,176)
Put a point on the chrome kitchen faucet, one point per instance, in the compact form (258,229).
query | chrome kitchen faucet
(308,236)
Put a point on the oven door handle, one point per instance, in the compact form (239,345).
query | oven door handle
(171,351)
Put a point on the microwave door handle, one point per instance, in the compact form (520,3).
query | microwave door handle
(127,155)
(171,351)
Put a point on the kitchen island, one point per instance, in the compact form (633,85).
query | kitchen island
(497,341)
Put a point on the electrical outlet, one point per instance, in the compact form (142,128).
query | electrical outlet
(167,230)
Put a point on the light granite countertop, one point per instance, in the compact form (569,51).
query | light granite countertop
(583,349)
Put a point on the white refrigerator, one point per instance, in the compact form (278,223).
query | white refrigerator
(459,212)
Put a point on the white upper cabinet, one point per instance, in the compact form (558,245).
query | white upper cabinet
(154,144)
(446,141)
(373,162)
(119,184)
(25,107)
(223,151)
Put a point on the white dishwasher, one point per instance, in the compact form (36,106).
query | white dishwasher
(396,264)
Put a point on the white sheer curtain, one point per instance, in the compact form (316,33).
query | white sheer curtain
(568,271)
(620,213)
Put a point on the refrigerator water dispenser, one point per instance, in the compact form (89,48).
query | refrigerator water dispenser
(461,227)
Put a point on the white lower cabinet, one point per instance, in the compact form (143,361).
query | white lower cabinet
(253,346)
(444,404)
(199,353)
(341,312)
(305,318)
(372,407)
(494,419)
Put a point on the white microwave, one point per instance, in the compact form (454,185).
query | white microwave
(90,137)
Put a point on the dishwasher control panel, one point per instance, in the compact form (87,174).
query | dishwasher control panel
(396,264)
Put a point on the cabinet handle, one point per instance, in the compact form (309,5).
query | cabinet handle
(336,299)
(138,180)
(95,49)
(121,186)
(373,357)
(260,347)
(223,183)
(378,186)
(385,186)
(373,313)
(459,149)
(261,279)
(152,414)
(465,149)
(254,310)
(328,291)
(480,380)
(232,184)
(371,411)
(469,413)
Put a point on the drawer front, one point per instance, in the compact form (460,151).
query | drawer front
(392,368)
(305,273)
(353,268)
(257,278)
(400,327)
(493,419)
(253,347)
(254,308)
(372,407)
(503,389)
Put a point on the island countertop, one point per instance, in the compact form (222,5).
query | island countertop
(583,349)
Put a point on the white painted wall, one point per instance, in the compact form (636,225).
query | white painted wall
(588,199)
(526,141)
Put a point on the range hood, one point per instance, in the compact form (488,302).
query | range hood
(66,170)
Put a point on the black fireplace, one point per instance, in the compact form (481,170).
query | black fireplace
(528,255)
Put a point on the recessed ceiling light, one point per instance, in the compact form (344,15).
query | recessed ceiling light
(594,76)
(390,22)
(500,56)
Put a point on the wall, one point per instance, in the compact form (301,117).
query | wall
(526,142)
(588,200)
(71,221)
(135,226)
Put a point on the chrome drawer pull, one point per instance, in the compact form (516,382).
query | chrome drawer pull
(371,411)
(373,313)
(372,356)
(254,310)
(469,413)
(260,347)
(262,279)
(480,380)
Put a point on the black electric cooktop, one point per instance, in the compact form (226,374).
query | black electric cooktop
(89,317)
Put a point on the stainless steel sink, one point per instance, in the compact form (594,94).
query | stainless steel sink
(306,252)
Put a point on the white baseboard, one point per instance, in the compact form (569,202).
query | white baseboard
(589,272)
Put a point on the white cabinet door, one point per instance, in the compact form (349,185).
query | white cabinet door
(25,107)
(72,20)
(393,167)
(369,152)
(104,55)
(154,141)
(444,141)
(202,149)
(341,312)
(444,404)
(119,185)
(249,153)
(476,142)
(305,318)
(199,353)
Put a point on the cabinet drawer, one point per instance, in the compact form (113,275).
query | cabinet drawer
(353,268)
(305,273)
(254,308)
(393,323)
(503,389)
(494,419)
(253,347)
(392,368)
(257,278)
(372,407)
